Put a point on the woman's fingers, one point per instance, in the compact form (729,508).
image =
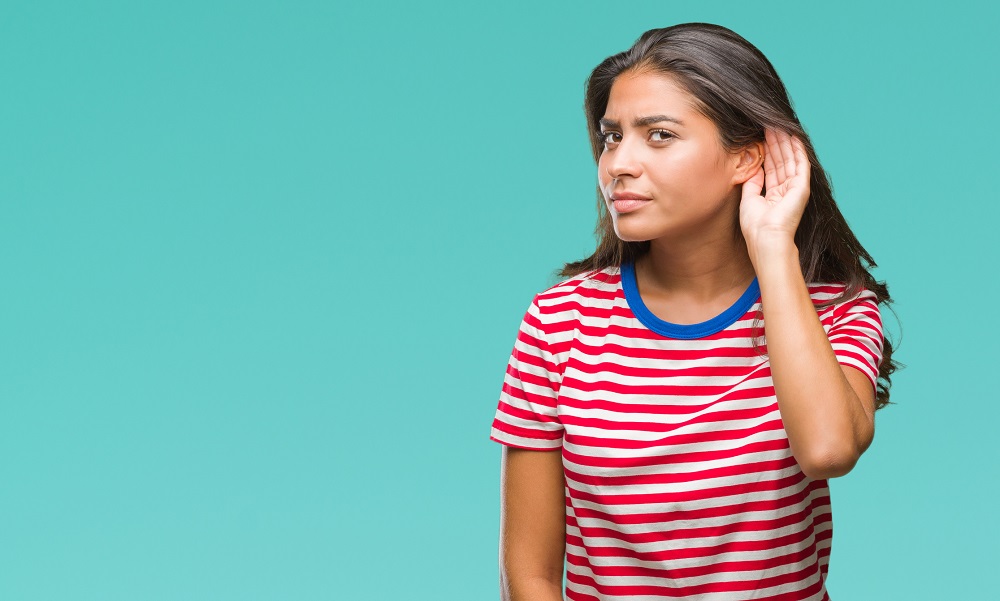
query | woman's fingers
(787,154)
(777,160)
(770,168)
(786,158)
(802,166)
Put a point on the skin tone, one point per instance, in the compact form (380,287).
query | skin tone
(711,232)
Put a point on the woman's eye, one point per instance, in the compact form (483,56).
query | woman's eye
(609,136)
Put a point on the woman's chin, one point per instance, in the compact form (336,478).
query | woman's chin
(628,234)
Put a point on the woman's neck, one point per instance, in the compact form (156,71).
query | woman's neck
(701,272)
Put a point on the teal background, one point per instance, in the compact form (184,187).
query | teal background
(262,266)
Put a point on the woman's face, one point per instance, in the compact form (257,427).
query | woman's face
(657,147)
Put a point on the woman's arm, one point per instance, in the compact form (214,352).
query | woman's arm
(827,408)
(532,525)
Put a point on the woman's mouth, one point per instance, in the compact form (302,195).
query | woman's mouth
(627,205)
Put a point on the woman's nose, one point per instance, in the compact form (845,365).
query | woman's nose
(622,160)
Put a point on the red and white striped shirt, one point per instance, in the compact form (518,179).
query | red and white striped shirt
(679,479)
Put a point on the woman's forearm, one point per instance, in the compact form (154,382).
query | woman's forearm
(531,589)
(822,415)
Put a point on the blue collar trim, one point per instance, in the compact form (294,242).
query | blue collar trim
(685,331)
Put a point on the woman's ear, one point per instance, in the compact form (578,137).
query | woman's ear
(749,160)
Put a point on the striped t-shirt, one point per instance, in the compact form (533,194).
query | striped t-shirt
(679,480)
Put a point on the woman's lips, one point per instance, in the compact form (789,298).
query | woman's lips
(626,201)
(627,205)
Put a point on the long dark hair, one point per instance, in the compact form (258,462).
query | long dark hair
(738,89)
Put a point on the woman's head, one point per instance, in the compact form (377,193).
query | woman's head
(716,77)
(664,171)
(728,82)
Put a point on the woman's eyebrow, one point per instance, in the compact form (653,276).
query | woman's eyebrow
(642,121)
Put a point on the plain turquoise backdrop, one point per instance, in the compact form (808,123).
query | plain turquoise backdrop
(262,265)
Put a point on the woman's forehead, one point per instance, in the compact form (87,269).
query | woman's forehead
(639,95)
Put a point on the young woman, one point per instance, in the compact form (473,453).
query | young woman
(716,360)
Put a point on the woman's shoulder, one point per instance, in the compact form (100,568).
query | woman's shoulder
(830,295)
(833,289)
(593,284)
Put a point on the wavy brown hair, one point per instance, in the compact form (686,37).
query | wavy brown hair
(736,87)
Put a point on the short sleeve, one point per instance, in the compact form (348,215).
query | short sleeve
(526,414)
(856,334)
